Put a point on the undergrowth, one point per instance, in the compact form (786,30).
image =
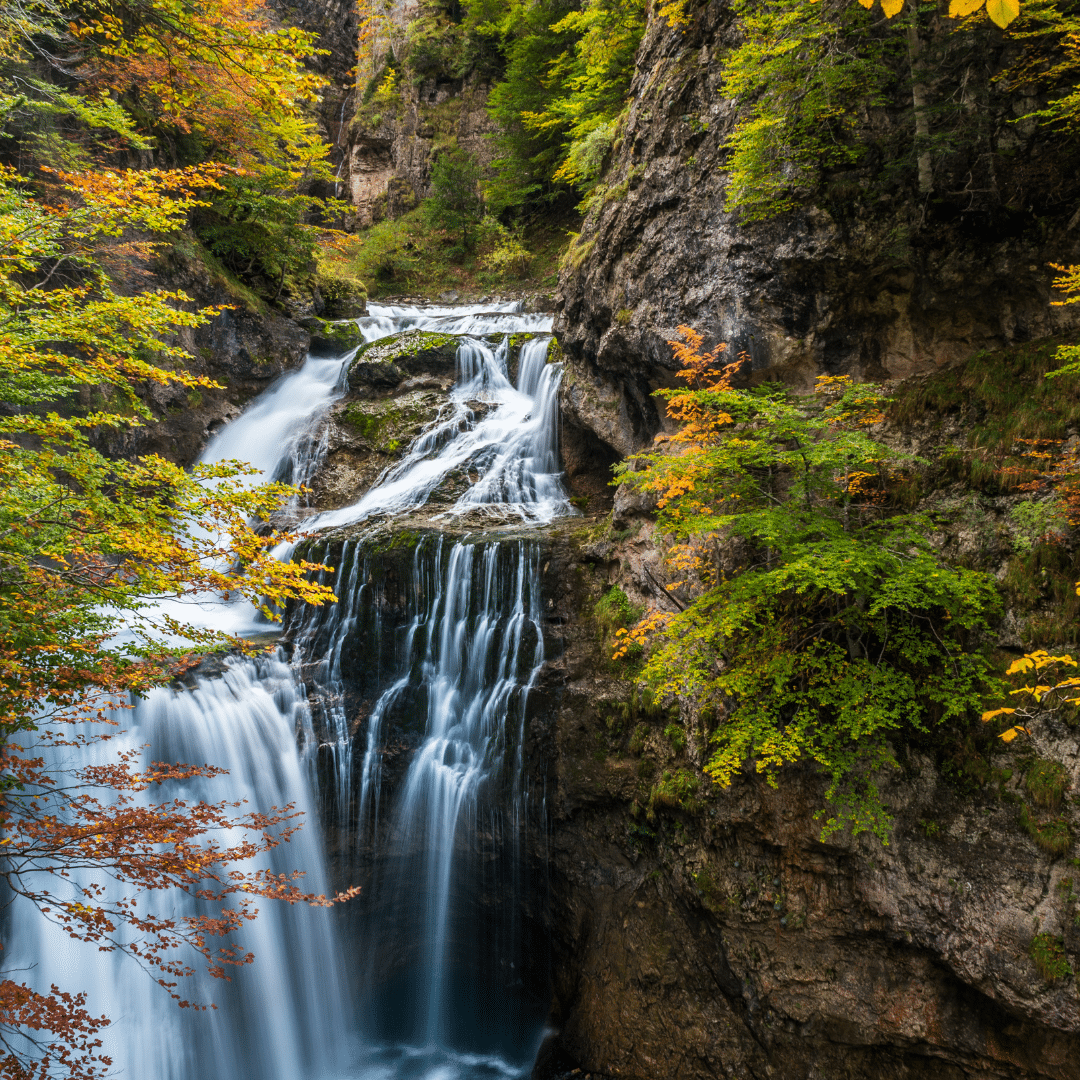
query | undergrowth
(1005,402)
(407,255)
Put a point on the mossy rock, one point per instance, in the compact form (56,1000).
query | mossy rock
(412,352)
(334,338)
(342,297)
(389,425)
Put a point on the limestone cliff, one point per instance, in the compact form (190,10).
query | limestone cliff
(867,278)
(701,932)
(390,153)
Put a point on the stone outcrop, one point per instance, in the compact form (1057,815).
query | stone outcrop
(390,153)
(244,348)
(714,934)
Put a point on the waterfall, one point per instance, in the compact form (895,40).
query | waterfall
(428,658)
(279,1018)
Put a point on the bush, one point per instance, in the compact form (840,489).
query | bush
(508,255)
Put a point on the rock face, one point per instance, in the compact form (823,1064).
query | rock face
(866,280)
(390,154)
(700,933)
(244,348)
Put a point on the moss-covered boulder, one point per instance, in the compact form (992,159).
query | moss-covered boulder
(340,295)
(333,338)
(385,363)
(364,436)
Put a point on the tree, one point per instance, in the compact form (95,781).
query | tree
(822,626)
(213,80)
(455,203)
(87,547)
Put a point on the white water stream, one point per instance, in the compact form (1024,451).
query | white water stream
(465,652)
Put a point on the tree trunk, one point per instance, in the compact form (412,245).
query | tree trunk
(922,117)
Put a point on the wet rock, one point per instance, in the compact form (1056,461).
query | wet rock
(863,283)
(334,338)
(244,348)
(382,365)
(363,437)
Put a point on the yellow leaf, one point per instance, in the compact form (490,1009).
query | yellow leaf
(867,4)
(1024,664)
(1002,12)
(996,712)
(959,9)
(1008,736)
(891,7)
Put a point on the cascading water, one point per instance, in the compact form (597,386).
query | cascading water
(280,1018)
(448,982)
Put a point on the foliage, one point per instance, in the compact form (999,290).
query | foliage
(590,84)
(803,71)
(1001,12)
(1046,782)
(840,629)
(567,79)
(456,204)
(1038,523)
(1054,692)
(1050,59)
(406,254)
(508,255)
(1048,953)
(89,547)
(215,80)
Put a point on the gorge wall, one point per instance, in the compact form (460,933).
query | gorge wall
(723,938)
(866,278)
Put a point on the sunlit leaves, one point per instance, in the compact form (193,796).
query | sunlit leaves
(88,545)
(1003,12)
(801,73)
(1054,691)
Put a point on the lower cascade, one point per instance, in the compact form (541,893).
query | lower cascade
(396,718)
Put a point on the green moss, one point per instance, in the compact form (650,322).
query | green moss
(674,791)
(614,611)
(1046,782)
(407,344)
(676,735)
(1048,953)
(1053,837)
(637,739)
(384,423)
